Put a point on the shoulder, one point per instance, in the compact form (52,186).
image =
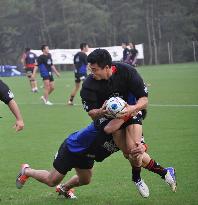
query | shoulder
(89,82)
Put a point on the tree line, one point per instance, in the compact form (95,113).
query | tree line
(168,29)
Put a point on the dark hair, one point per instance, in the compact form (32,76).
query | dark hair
(100,56)
(125,43)
(43,47)
(27,49)
(83,45)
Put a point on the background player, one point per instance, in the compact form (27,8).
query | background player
(46,67)
(28,60)
(80,71)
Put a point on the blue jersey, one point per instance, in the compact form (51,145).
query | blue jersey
(81,140)
(44,64)
(80,62)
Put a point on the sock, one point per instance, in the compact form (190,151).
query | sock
(136,174)
(153,166)
(71,98)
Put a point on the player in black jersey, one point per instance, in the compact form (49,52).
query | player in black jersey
(28,60)
(117,80)
(46,67)
(7,97)
(80,70)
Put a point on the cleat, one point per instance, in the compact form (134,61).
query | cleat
(70,102)
(67,194)
(43,99)
(142,188)
(48,103)
(22,178)
(170,178)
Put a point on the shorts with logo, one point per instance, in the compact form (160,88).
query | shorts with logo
(65,160)
(50,78)
(80,77)
(29,71)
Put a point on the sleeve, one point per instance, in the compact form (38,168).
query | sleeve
(5,93)
(136,84)
(89,99)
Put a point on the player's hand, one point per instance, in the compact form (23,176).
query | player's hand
(19,125)
(58,74)
(139,149)
(129,110)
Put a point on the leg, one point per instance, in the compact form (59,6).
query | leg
(50,178)
(46,89)
(74,92)
(82,177)
(51,87)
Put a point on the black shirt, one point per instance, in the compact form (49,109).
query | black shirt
(80,62)
(46,61)
(124,80)
(5,93)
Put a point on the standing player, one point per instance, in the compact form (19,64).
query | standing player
(120,80)
(7,97)
(80,72)
(28,60)
(132,57)
(126,52)
(46,67)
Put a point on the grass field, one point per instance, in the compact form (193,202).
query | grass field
(170,129)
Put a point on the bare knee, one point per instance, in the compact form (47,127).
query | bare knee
(52,183)
(85,181)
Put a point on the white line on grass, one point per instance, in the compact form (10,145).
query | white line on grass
(152,105)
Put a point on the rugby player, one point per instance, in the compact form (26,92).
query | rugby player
(28,60)
(79,151)
(80,71)
(46,67)
(117,79)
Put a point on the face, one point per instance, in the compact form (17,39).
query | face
(46,50)
(123,45)
(86,49)
(100,73)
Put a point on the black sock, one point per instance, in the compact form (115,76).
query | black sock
(71,98)
(153,166)
(136,174)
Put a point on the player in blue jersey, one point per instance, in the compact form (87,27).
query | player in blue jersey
(28,60)
(7,97)
(79,151)
(80,70)
(46,67)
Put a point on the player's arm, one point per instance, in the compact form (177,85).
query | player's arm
(7,97)
(55,70)
(19,124)
(139,90)
(23,59)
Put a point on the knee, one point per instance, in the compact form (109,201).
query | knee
(52,183)
(85,181)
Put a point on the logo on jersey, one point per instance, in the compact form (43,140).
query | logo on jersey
(145,89)
(110,146)
(49,62)
(31,55)
(10,94)
(86,108)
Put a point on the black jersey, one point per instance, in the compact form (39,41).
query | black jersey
(45,61)
(124,80)
(80,62)
(5,93)
(126,52)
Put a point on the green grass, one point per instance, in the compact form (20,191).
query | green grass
(170,131)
